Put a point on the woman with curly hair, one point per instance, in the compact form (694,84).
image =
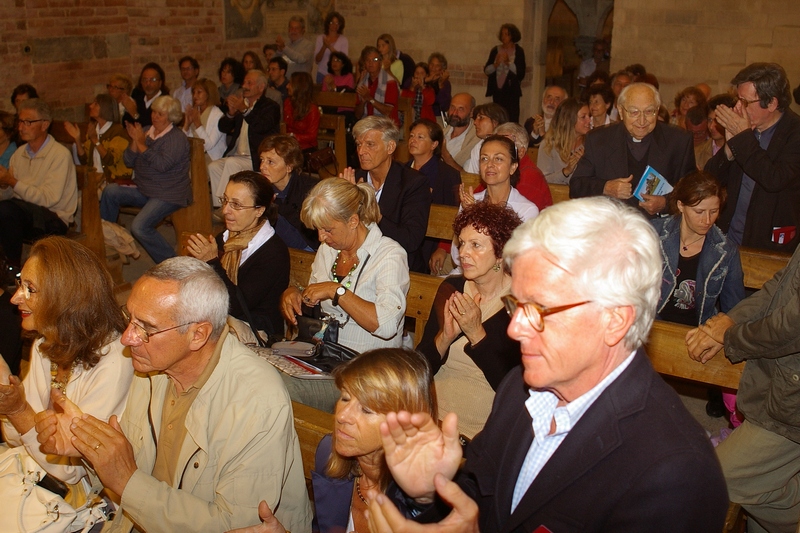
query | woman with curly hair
(300,113)
(465,339)
(506,70)
(231,76)
(685,100)
(329,42)
(66,299)
(563,143)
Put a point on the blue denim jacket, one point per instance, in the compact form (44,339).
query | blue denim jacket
(719,273)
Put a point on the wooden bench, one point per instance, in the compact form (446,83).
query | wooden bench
(332,128)
(760,266)
(560,193)
(311,425)
(333,99)
(419,300)
(470,180)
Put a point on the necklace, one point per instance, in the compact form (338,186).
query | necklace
(336,264)
(358,491)
(62,384)
(685,247)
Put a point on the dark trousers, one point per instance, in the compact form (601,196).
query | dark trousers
(22,221)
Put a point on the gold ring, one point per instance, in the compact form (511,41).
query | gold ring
(96,447)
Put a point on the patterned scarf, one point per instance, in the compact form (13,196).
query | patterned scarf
(237,241)
(380,92)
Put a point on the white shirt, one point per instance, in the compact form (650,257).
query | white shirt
(473,163)
(184,95)
(214,140)
(454,143)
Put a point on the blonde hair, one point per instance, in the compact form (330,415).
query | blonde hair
(338,199)
(560,138)
(383,380)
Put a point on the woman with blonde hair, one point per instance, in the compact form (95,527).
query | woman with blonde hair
(563,142)
(359,277)
(202,119)
(391,63)
(66,299)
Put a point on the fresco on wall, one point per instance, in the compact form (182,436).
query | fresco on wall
(264,18)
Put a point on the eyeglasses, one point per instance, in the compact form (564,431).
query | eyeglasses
(236,206)
(745,102)
(26,289)
(151,80)
(534,312)
(650,112)
(374,59)
(29,122)
(142,333)
(117,87)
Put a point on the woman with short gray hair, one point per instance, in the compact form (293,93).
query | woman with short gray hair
(160,160)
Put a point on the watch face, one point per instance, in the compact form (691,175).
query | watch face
(340,291)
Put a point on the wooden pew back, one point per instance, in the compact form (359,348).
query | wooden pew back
(332,128)
(311,425)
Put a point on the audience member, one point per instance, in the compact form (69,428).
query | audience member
(506,70)
(299,51)
(249,257)
(38,191)
(459,135)
(300,113)
(586,429)
(231,76)
(349,461)
(531,184)
(106,140)
(703,88)
(563,143)
(194,376)
(601,101)
(269,51)
(160,160)
(465,339)
(250,118)
(538,125)
(66,299)
(760,165)
(151,86)
(421,94)
(359,277)
(340,74)
(190,71)
(617,155)
(684,101)
(619,81)
(202,119)
(485,117)
(696,123)
(439,80)
(637,71)
(276,71)
(21,93)
(389,60)
(761,458)
(377,91)
(7,144)
(119,86)
(402,193)
(596,61)
(282,165)
(251,61)
(701,269)
(716,132)
(329,42)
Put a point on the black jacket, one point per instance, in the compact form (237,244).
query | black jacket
(262,121)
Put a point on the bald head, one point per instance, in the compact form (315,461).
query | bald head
(460,112)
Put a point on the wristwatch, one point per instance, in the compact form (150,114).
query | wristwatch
(339,293)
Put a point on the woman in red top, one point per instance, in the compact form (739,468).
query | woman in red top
(300,113)
(422,96)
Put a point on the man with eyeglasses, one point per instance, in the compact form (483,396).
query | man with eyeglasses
(585,436)
(760,165)
(119,87)
(190,70)
(378,91)
(38,191)
(208,430)
(616,156)
(151,86)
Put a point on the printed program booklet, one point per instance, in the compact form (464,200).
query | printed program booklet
(652,183)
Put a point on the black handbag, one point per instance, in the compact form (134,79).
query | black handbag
(320,159)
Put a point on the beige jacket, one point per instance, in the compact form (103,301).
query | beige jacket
(240,448)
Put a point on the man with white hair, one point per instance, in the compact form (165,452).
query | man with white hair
(538,125)
(208,430)
(586,436)
(616,156)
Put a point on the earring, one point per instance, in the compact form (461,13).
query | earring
(496,267)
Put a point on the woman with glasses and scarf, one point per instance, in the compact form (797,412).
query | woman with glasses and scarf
(249,257)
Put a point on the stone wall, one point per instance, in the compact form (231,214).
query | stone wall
(688,42)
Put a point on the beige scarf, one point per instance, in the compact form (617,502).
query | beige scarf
(237,241)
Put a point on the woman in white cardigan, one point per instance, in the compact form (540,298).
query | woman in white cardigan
(202,119)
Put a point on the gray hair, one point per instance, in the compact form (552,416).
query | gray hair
(622,99)
(202,295)
(517,133)
(262,78)
(385,125)
(38,105)
(610,248)
(301,20)
(170,106)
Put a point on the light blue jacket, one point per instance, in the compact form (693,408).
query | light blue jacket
(719,273)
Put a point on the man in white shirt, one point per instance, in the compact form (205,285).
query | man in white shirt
(585,436)
(459,136)
(538,125)
(190,70)
(299,50)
